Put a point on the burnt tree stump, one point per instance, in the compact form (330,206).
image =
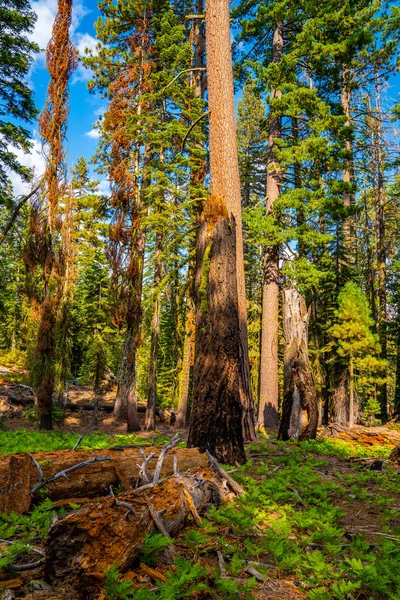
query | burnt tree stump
(300,408)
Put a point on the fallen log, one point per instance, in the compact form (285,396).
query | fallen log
(84,544)
(395,458)
(91,480)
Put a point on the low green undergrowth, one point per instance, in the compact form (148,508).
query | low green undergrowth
(12,442)
(291,526)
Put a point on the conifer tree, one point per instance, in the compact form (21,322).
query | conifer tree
(216,423)
(357,345)
(17,20)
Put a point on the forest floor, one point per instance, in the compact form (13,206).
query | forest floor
(319,520)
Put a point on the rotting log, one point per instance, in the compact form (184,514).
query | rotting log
(300,408)
(93,479)
(16,496)
(83,545)
(395,458)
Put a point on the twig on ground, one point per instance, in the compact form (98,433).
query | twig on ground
(126,505)
(53,478)
(28,567)
(300,499)
(231,482)
(221,563)
(254,573)
(78,442)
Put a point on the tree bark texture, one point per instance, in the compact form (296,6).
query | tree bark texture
(216,420)
(150,419)
(83,545)
(126,400)
(348,172)
(224,170)
(90,481)
(268,415)
(184,384)
(300,408)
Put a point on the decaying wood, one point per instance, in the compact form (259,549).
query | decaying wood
(92,480)
(16,494)
(83,545)
(395,458)
(300,409)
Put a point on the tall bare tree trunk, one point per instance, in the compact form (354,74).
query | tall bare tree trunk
(149,423)
(125,407)
(381,248)
(348,171)
(197,176)
(300,409)
(268,415)
(187,359)
(225,168)
(218,391)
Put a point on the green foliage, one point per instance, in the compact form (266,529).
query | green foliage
(357,345)
(153,545)
(16,21)
(31,414)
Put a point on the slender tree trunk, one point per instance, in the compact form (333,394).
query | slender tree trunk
(218,390)
(396,401)
(125,407)
(155,337)
(184,384)
(300,409)
(351,393)
(381,249)
(268,415)
(348,173)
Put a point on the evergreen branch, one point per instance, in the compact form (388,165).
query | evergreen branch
(192,127)
(181,73)
(17,210)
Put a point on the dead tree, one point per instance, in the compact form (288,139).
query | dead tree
(300,408)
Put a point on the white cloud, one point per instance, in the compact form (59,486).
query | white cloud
(85,41)
(93,133)
(46,11)
(104,187)
(35,160)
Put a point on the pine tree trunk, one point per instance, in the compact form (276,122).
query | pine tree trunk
(300,409)
(216,420)
(125,408)
(150,419)
(184,384)
(224,170)
(126,401)
(381,249)
(348,172)
(268,415)
(351,393)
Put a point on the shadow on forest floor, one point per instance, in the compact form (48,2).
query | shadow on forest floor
(319,520)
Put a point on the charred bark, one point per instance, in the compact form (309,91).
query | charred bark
(224,173)
(216,421)
(300,408)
